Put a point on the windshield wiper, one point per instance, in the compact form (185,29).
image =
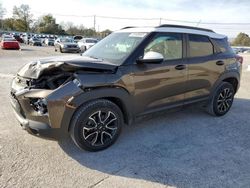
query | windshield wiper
(93,57)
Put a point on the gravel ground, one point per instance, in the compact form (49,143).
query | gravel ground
(187,148)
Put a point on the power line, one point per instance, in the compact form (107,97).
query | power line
(67,15)
(157,19)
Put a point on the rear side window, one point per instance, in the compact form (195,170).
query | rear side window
(200,46)
(223,45)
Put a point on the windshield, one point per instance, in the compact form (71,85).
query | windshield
(91,41)
(116,47)
(67,40)
(9,39)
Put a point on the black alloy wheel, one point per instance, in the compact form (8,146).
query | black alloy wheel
(96,125)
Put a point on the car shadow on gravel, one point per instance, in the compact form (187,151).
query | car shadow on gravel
(188,148)
(27,49)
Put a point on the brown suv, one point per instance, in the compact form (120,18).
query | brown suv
(132,72)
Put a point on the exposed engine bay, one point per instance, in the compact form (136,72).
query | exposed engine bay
(52,74)
(49,81)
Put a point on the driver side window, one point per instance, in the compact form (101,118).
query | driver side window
(169,45)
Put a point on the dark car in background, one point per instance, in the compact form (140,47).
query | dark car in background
(66,45)
(130,73)
(18,38)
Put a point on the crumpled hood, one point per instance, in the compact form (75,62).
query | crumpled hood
(65,63)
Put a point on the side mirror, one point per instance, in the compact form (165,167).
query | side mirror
(151,57)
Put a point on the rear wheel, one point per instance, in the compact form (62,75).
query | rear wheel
(222,100)
(96,125)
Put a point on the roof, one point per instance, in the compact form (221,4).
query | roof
(174,29)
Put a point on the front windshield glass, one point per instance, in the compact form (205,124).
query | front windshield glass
(9,39)
(116,47)
(67,40)
(91,41)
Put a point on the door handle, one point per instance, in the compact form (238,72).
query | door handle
(220,63)
(180,67)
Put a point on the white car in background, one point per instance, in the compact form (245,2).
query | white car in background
(49,42)
(86,43)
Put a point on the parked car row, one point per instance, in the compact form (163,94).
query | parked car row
(238,50)
(62,44)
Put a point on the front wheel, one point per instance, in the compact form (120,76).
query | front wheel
(96,125)
(222,99)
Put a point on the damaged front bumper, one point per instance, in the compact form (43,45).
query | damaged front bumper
(43,112)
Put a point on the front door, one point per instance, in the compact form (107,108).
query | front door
(157,85)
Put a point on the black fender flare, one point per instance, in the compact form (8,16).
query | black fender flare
(99,93)
(226,75)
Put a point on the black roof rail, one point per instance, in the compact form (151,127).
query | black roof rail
(185,27)
(128,27)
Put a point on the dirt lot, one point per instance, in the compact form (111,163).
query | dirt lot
(184,149)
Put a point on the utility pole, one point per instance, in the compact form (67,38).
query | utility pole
(198,23)
(160,21)
(94,21)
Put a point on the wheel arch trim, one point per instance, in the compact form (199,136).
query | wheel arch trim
(224,76)
(100,93)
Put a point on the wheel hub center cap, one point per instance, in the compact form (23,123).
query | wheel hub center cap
(100,125)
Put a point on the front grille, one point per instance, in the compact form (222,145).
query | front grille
(72,46)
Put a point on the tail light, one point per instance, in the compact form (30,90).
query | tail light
(239,59)
(5,45)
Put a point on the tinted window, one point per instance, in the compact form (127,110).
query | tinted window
(67,40)
(223,45)
(169,45)
(9,39)
(200,46)
(91,41)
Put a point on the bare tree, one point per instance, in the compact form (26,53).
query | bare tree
(23,17)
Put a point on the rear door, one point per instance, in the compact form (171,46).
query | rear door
(204,66)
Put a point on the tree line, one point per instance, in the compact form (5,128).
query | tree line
(22,21)
(242,39)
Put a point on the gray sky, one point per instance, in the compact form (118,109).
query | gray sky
(200,12)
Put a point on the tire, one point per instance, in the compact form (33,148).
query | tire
(222,99)
(61,49)
(96,125)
